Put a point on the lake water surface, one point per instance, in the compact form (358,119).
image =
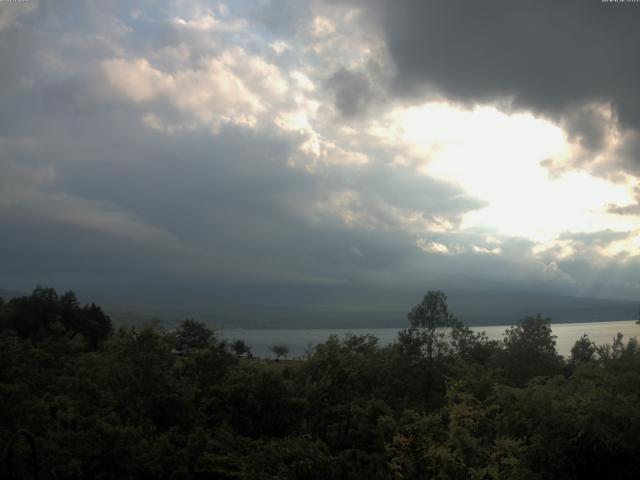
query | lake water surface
(300,341)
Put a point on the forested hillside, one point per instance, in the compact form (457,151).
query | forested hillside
(441,402)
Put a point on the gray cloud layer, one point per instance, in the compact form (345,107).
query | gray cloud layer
(97,197)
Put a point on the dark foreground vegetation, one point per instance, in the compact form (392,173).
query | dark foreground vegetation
(441,402)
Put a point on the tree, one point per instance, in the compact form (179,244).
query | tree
(280,350)
(533,334)
(618,356)
(192,335)
(432,312)
(94,325)
(530,350)
(583,351)
(289,458)
(432,324)
(433,330)
(46,314)
(240,348)
(33,316)
(429,339)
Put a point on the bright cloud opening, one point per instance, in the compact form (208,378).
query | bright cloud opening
(498,158)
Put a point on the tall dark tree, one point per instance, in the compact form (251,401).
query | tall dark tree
(192,335)
(583,351)
(95,325)
(427,342)
(240,347)
(530,350)
(280,350)
(32,316)
(431,326)
(70,308)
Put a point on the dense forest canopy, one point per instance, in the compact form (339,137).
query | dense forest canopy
(440,402)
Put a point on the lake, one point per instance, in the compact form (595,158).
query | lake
(300,341)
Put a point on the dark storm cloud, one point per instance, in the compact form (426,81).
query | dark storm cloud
(588,125)
(628,154)
(609,279)
(547,55)
(352,90)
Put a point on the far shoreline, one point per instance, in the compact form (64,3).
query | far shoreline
(301,340)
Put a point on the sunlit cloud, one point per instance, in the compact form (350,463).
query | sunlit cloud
(500,159)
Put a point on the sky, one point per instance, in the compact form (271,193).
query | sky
(303,154)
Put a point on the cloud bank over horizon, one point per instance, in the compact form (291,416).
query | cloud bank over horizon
(294,147)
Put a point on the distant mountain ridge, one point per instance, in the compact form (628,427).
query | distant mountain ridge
(491,308)
(473,308)
(362,309)
(9,294)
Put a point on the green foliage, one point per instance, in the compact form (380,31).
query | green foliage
(440,403)
(583,351)
(293,458)
(458,442)
(191,336)
(44,313)
(280,350)
(431,325)
(240,348)
(432,343)
(577,427)
(529,351)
